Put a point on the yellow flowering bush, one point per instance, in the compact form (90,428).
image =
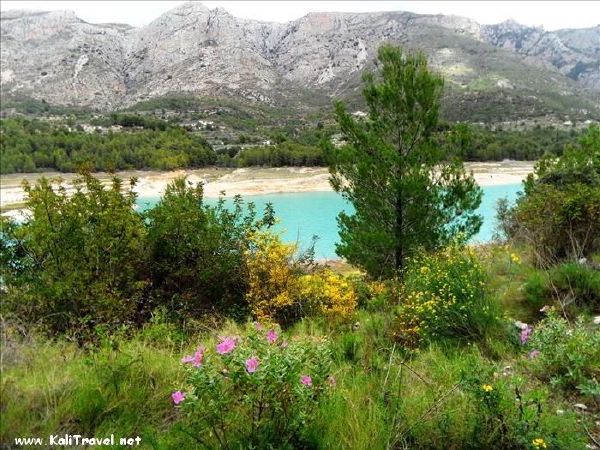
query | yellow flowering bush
(279,290)
(271,272)
(327,293)
(443,294)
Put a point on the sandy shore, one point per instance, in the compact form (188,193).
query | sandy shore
(249,181)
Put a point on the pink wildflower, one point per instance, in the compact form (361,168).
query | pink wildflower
(195,359)
(306,380)
(226,345)
(271,336)
(252,364)
(258,325)
(178,397)
(534,354)
(525,333)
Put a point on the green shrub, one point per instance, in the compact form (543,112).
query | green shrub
(566,356)
(509,415)
(444,295)
(577,283)
(575,286)
(537,290)
(79,261)
(559,213)
(257,391)
(560,223)
(197,251)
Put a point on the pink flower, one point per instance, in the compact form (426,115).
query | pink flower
(257,325)
(534,354)
(306,380)
(226,345)
(195,359)
(525,333)
(252,364)
(178,397)
(271,336)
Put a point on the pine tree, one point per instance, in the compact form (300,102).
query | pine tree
(407,194)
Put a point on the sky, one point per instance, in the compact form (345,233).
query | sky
(551,15)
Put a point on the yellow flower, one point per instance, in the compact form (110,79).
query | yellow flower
(487,387)
(424,270)
(539,443)
(515,258)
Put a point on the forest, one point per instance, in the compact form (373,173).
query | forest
(149,143)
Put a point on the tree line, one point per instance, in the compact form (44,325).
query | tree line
(33,145)
(149,143)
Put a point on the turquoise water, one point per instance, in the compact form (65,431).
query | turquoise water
(304,214)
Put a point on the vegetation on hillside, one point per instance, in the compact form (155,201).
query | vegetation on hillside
(194,326)
(147,142)
(30,146)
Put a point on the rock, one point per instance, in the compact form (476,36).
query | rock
(580,406)
(201,51)
(520,325)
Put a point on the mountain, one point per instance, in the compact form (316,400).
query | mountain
(492,72)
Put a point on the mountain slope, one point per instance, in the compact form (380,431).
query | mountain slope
(495,72)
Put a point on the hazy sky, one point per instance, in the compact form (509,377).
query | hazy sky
(550,15)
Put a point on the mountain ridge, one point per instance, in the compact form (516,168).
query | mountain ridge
(191,49)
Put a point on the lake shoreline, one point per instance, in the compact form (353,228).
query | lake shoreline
(244,181)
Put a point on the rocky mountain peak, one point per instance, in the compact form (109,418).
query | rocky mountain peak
(193,49)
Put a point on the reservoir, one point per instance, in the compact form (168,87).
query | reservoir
(305,214)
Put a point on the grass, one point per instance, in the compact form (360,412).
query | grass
(386,396)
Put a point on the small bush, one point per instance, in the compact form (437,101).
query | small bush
(575,286)
(559,212)
(328,294)
(564,355)
(537,290)
(508,415)
(256,391)
(579,283)
(271,273)
(279,290)
(444,295)
(197,251)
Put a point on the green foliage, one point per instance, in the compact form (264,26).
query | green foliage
(568,354)
(444,295)
(574,286)
(127,120)
(537,290)
(405,193)
(478,143)
(29,146)
(260,394)
(559,213)
(284,154)
(197,252)
(509,416)
(90,259)
(78,262)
